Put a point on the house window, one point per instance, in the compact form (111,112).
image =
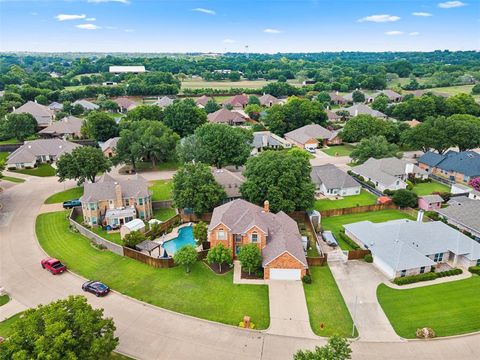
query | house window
(422,269)
(140,201)
(221,234)
(438,257)
(92,206)
(127,202)
(142,215)
(403,273)
(238,238)
(254,237)
(94,220)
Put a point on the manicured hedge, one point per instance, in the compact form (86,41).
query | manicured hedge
(425,277)
(349,241)
(474,269)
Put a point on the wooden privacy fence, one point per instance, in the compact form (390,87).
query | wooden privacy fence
(164,204)
(356,210)
(317,261)
(207,217)
(357,254)
(154,262)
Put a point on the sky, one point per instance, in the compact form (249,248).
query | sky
(265,26)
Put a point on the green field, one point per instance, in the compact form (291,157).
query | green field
(161,190)
(429,188)
(340,150)
(12,179)
(335,223)
(42,170)
(364,198)
(3,155)
(66,195)
(164,214)
(4,299)
(200,293)
(326,305)
(449,309)
(248,84)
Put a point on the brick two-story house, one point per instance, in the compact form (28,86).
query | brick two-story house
(116,202)
(239,222)
(455,166)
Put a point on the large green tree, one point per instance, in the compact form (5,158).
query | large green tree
(431,134)
(19,126)
(185,256)
(405,198)
(250,257)
(64,329)
(101,126)
(364,126)
(145,112)
(184,117)
(220,145)
(464,131)
(337,349)
(282,178)
(374,147)
(82,164)
(294,114)
(219,255)
(194,187)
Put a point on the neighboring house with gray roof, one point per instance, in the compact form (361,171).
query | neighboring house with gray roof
(337,99)
(332,116)
(311,136)
(391,95)
(202,101)
(163,102)
(41,113)
(38,151)
(362,109)
(86,105)
(264,140)
(67,128)
(388,173)
(453,165)
(225,116)
(331,181)
(464,213)
(405,247)
(55,106)
(268,100)
(125,104)
(238,223)
(109,146)
(230,181)
(111,202)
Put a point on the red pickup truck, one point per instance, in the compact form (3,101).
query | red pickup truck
(53,265)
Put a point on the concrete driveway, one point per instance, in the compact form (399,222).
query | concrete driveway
(288,309)
(321,159)
(358,282)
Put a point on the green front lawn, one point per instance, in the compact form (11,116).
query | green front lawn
(113,237)
(4,299)
(335,223)
(4,155)
(364,198)
(161,190)
(326,305)
(41,170)
(12,179)
(66,195)
(200,293)
(339,150)
(429,188)
(164,214)
(449,308)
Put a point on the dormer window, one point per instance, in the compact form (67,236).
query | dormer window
(254,237)
(221,234)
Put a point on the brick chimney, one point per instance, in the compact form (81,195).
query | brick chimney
(118,195)
(266,206)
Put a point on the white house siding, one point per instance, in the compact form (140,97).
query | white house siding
(462,261)
(350,191)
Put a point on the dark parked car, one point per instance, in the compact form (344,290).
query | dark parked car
(71,204)
(96,287)
(53,265)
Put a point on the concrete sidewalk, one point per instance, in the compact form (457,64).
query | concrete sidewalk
(237,276)
(11,308)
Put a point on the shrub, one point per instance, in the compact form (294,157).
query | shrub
(425,333)
(405,198)
(242,325)
(426,276)
(432,215)
(409,185)
(474,269)
(307,279)
(368,258)
(349,241)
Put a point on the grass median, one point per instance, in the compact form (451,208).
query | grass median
(200,293)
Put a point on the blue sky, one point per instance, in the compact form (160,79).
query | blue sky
(228,25)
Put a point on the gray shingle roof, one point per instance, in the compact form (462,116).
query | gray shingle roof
(67,125)
(230,181)
(262,139)
(163,102)
(104,188)
(464,211)
(405,244)
(267,99)
(361,109)
(282,231)
(225,116)
(432,199)
(41,113)
(87,105)
(332,177)
(30,150)
(465,162)
(308,132)
(110,143)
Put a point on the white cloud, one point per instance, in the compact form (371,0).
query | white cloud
(205,11)
(228,41)
(65,17)
(129,30)
(380,18)
(88,26)
(423,14)
(414,33)
(272,31)
(394,33)
(451,4)
(91,19)
(107,1)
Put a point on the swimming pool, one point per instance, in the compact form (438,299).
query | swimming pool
(185,237)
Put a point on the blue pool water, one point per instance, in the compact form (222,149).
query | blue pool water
(185,237)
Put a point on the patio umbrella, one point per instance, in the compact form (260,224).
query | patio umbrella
(165,254)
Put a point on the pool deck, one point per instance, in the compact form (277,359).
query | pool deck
(171,235)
